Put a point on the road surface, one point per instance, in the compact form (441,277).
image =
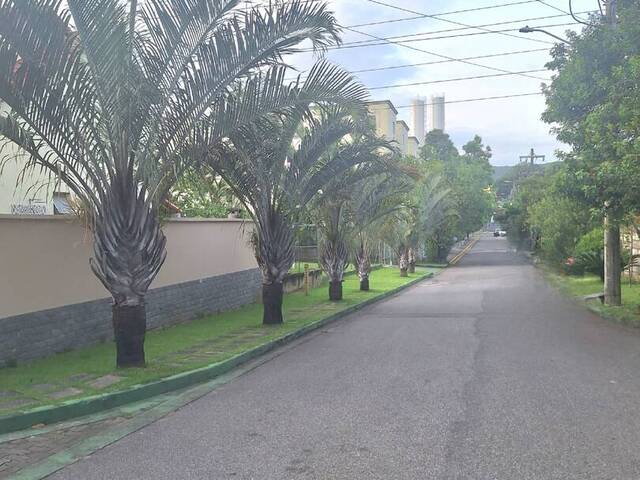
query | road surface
(483,373)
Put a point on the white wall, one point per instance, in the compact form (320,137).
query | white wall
(44,261)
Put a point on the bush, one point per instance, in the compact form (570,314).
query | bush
(589,252)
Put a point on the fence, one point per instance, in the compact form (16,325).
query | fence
(50,301)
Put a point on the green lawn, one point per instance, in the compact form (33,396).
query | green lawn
(628,313)
(180,348)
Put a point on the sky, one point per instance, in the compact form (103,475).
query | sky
(510,126)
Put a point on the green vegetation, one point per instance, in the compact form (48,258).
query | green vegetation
(580,286)
(468,177)
(192,345)
(140,97)
(592,101)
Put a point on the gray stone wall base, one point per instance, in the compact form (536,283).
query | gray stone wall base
(38,334)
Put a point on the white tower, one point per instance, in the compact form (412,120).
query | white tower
(436,110)
(417,105)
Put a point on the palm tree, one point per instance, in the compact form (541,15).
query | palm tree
(277,166)
(433,209)
(406,228)
(371,156)
(113,95)
(381,196)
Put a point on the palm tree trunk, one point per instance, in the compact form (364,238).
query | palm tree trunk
(129,327)
(129,250)
(411,261)
(335,291)
(363,265)
(272,294)
(403,262)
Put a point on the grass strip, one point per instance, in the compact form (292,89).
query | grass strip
(581,286)
(186,347)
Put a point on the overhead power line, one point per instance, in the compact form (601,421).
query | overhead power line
(436,62)
(370,43)
(519,21)
(427,15)
(553,7)
(466,62)
(441,14)
(458,79)
(479,99)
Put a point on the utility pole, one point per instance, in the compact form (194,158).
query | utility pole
(532,157)
(611,11)
(612,247)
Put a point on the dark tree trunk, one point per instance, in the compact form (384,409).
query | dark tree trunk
(412,268)
(612,264)
(129,327)
(364,284)
(335,291)
(403,272)
(272,303)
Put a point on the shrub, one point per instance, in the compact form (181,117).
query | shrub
(589,252)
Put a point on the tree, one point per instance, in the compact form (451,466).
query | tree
(468,177)
(201,193)
(276,167)
(558,222)
(114,96)
(377,199)
(592,100)
(335,218)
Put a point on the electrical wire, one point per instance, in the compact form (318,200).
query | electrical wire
(466,62)
(479,99)
(414,12)
(457,29)
(452,12)
(458,79)
(435,62)
(386,40)
(574,16)
(553,6)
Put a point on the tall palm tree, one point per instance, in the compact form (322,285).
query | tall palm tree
(112,95)
(406,228)
(276,168)
(380,197)
(336,217)
(433,208)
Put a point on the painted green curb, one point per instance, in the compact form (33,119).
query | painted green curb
(98,403)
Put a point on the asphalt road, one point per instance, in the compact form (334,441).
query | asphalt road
(483,373)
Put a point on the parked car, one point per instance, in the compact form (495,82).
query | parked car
(503,233)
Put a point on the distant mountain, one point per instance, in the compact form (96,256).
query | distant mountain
(499,171)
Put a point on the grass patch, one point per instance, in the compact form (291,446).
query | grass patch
(579,287)
(183,347)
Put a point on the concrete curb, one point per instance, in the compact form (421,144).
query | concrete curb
(98,403)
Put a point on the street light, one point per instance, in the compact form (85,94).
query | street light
(528,29)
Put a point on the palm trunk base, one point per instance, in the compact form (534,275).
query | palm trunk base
(403,272)
(364,284)
(129,328)
(272,303)
(335,291)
